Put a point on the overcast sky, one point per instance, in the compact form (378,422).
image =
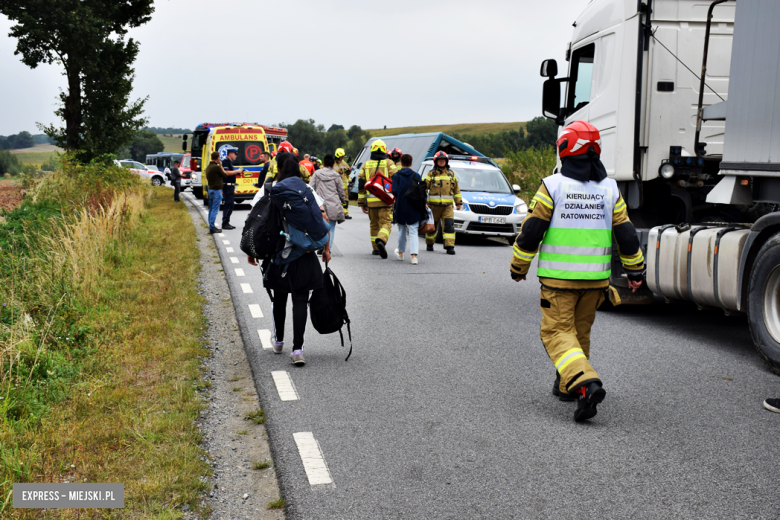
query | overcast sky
(401,63)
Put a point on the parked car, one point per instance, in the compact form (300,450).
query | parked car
(144,170)
(490,204)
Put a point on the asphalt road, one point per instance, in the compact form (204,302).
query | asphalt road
(445,408)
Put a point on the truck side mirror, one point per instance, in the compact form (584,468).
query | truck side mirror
(184,142)
(549,69)
(551,98)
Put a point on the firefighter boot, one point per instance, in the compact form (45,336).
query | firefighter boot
(588,396)
(563,396)
(429,247)
(380,244)
(450,250)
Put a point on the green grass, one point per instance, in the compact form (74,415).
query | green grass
(257,417)
(276,504)
(467,128)
(36,158)
(265,464)
(172,144)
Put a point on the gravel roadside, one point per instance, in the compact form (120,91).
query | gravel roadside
(234,444)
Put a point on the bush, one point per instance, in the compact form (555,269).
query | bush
(527,168)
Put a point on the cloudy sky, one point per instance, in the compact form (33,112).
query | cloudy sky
(401,63)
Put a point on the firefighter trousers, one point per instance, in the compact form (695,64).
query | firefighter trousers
(346,199)
(443,217)
(381,220)
(567,317)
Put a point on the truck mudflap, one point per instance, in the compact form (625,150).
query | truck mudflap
(697,263)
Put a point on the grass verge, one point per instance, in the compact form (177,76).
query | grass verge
(100,385)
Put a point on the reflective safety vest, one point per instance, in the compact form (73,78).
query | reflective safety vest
(578,243)
(343,169)
(272,170)
(443,187)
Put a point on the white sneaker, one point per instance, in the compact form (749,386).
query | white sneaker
(414,260)
(399,256)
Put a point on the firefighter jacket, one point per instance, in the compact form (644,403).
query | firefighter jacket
(342,168)
(369,169)
(442,185)
(571,225)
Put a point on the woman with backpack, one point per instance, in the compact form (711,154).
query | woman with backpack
(327,183)
(296,278)
(408,212)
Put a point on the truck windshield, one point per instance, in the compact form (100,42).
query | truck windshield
(248,151)
(581,74)
(185,162)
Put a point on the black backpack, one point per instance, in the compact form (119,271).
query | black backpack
(416,194)
(328,308)
(263,236)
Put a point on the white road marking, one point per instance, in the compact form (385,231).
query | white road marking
(265,338)
(240,272)
(229,249)
(313,461)
(226,242)
(233,260)
(222,234)
(246,288)
(255,311)
(284,386)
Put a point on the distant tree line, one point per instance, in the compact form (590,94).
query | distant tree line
(145,142)
(169,130)
(309,137)
(23,140)
(539,133)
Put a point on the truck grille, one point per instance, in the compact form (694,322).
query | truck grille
(484,209)
(491,228)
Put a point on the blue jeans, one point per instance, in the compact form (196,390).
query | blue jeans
(332,228)
(414,242)
(215,197)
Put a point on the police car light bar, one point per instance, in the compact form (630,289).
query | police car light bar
(472,158)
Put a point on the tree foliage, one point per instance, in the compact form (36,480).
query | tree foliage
(540,132)
(13,142)
(87,38)
(144,143)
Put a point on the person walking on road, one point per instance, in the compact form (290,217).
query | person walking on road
(342,168)
(229,188)
(406,217)
(395,156)
(215,178)
(327,183)
(176,181)
(296,279)
(570,222)
(379,214)
(443,191)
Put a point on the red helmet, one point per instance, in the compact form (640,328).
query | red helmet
(273,154)
(285,146)
(578,139)
(396,151)
(441,155)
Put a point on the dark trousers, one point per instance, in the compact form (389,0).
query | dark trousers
(228,201)
(300,302)
(176,191)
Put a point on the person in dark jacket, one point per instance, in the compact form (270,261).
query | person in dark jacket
(298,278)
(176,181)
(229,188)
(405,215)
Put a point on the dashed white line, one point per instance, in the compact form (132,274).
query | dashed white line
(229,250)
(233,260)
(255,311)
(313,461)
(240,272)
(265,338)
(226,242)
(246,288)
(284,386)
(222,234)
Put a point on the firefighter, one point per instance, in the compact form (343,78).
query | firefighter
(273,169)
(344,170)
(570,223)
(380,214)
(443,191)
(395,155)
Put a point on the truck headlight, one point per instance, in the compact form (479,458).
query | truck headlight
(666,170)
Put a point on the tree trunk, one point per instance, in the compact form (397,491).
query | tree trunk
(72,112)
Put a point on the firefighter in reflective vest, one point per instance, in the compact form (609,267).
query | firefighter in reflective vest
(395,156)
(273,169)
(344,170)
(570,224)
(443,191)
(380,214)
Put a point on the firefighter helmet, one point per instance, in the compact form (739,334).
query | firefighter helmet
(379,146)
(579,138)
(285,146)
(340,153)
(396,152)
(441,155)
(295,151)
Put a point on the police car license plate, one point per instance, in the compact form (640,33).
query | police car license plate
(492,220)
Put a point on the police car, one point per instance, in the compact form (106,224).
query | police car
(490,206)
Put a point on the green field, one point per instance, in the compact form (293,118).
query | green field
(468,128)
(36,158)
(172,144)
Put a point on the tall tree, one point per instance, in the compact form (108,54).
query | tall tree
(86,37)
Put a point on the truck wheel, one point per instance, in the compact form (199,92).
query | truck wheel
(764,303)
